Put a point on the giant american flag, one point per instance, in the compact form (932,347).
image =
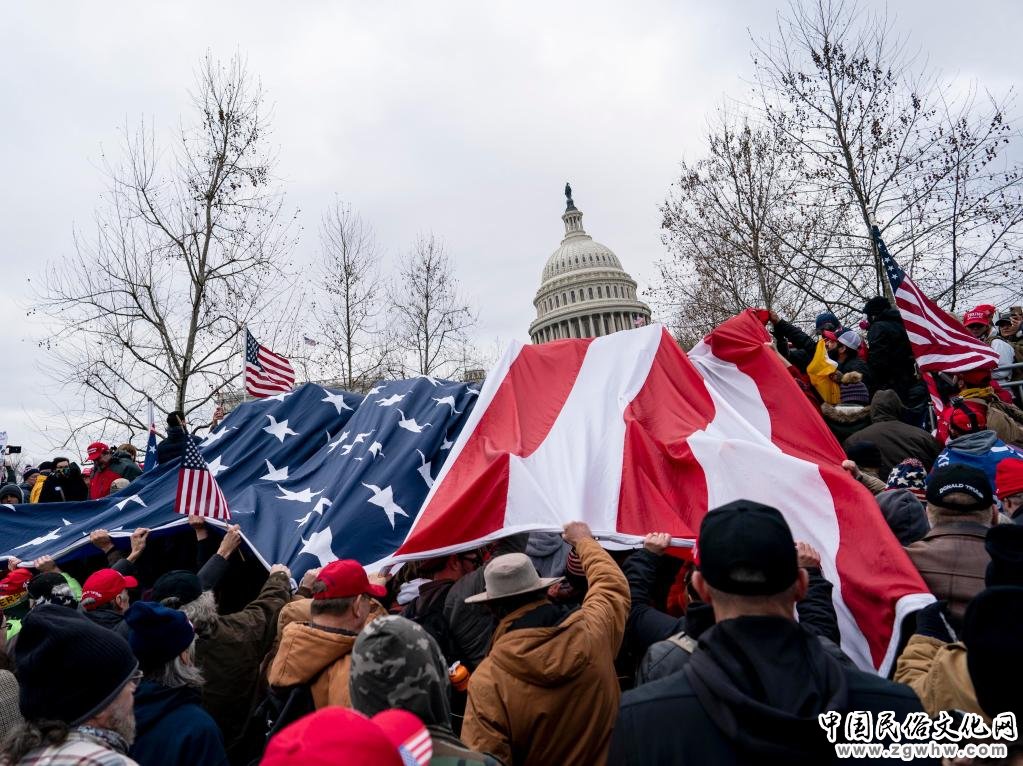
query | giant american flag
(266,373)
(630,435)
(198,491)
(939,340)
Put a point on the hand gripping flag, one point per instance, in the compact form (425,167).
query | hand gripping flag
(628,434)
(198,491)
(266,373)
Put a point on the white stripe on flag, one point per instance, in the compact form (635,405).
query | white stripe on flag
(576,472)
(741,462)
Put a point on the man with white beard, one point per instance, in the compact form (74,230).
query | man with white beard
(77,684)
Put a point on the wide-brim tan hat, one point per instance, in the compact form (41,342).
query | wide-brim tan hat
(511,575)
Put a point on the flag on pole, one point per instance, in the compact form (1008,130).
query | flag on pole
(940,341)
(266,373)
(198,492)
(150,461)
(628,434)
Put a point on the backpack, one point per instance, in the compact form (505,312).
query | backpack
(284,705)
(429,614)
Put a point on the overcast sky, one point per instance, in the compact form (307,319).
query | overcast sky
(460,118)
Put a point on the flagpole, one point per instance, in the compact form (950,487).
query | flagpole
(242,336)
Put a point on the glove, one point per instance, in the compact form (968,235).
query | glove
(932,622)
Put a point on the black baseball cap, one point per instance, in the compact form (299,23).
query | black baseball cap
(178,583)
(958,478)
(746,548)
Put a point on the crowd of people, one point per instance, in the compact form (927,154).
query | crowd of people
(546,648)
(108,470)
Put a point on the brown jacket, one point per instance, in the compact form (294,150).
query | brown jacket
(299,648)
(952,560)
(937,672)
(229,656)
(549,695)
(308,653)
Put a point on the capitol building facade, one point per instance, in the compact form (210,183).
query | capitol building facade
(584,291)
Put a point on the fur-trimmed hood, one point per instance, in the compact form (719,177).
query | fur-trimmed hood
(845,413)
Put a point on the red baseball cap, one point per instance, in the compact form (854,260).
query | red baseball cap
(980,315)
(344,579)
(828,335)
(104,586)
(319,738)
(95,450)
(15,582)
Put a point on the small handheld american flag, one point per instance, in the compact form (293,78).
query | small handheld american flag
(198,492)
(266,373)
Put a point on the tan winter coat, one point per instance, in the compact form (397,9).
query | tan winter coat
(937,672)
(307,652)
(550,695)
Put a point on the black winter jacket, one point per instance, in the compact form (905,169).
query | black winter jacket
(64,487)
(173,446)
(889,357)
(750,694)
(794,344)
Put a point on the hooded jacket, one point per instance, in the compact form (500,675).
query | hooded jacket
(548,694)
(894,439)
(171,728)
(316,656)
(750,694)
(981,449)
(844,420)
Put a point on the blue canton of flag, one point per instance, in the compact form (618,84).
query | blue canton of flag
(310,475)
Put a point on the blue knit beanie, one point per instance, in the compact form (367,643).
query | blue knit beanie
(158,633)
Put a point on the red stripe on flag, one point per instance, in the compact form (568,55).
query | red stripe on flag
(874,570)
(663,486)
(470,503)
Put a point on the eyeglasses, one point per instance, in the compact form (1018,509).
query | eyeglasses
(136,678)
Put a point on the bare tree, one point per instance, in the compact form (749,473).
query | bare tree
(733,224)
(348,310)
(431,319)
(881,138)
(187,248)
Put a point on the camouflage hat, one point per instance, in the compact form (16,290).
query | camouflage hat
(397,664)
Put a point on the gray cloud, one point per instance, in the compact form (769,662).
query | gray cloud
(461,118)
